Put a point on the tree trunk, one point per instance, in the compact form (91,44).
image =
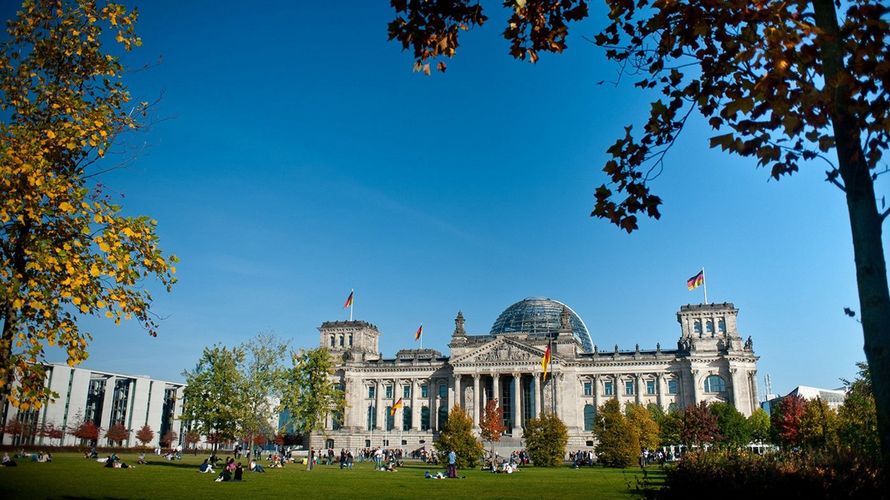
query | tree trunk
(865,220)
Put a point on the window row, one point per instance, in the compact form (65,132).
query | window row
(389,391)
(407,415)
(709,326)
(341,340)
(630,387)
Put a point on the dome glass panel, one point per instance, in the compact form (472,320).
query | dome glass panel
(540,316)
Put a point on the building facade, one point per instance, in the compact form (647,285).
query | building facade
(711,362)
(103,398)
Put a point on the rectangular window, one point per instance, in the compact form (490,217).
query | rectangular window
(673,386)
(350,340)
(424,391)
(388,392)
(608,389)
(588,388)
(650,387)
(342,340)
(371,392)
(443,391)
(406,391)
(629,387)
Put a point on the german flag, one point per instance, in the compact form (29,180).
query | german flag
(392,411)
(696,281)
(545,361)
(419,332)
(349,300)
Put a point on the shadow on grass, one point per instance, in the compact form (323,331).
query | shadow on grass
(167,463)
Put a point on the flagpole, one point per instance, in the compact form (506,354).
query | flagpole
(705,284)
(352,305)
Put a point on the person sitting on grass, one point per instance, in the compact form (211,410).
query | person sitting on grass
(239,472)
(226,474)
(206,467)
(8,462)
(255,467)
(141,460)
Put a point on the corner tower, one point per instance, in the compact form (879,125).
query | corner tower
(356,340)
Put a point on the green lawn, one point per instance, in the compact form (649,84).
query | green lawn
(71,476)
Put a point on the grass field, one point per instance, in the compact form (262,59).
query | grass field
(71,476)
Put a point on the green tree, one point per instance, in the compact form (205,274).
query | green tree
(214,392)
(617,442)
(858,427)
(698,426)
(640,418)
(784,83)
(491,425)
(545,440)
(818,425)
(670,427)
(311,393)
(732,425)
(457,435)
(66,250)
(758,426)
(263,381)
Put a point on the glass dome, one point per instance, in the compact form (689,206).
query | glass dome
(540,316)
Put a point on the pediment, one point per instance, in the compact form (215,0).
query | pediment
(501,350)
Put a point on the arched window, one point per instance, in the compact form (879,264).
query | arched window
(443,417)
(425,418)
(696,326)
(709,325)
(721,325)
(589,415)
(714,383)
(333,341)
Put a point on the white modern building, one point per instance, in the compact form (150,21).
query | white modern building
(104,398)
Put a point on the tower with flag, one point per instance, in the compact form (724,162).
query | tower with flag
(350,302)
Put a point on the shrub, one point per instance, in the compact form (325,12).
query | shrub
(545,440)
(457,435)
(618,442)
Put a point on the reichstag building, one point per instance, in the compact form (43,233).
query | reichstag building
(709,362)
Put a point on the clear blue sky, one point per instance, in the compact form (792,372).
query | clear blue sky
(296,156)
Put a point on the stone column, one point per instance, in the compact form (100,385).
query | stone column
(596,392)
(378,407)
(639,379)
(659,389)
(517,402)
(415,411)
(433,396)
(496,387)
(458,395)
(539,394)
(476,399)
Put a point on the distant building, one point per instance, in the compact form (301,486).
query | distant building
(711,362)
(105,399)
(834,397)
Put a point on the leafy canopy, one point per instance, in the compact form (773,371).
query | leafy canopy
(617,441)
(312,393)
(457,435)
(66,250)
(546,438)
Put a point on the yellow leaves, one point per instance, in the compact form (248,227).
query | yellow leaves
(97,219)
(50,134)
(94,271)
(76,301)
(104,247)
(18,303)
(66,207)
(84,308)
